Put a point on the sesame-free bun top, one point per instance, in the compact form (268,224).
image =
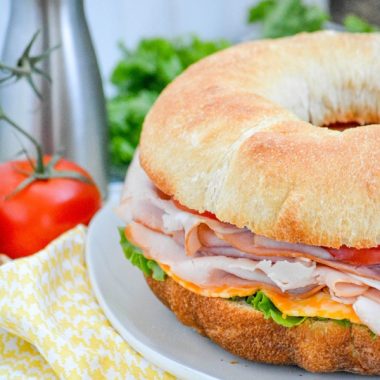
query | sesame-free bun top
(240,134)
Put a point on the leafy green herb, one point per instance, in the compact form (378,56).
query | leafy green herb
(136,257)
(126,114)
(139,77)
(260,11)
(281,18)
(355,24)
(262,303)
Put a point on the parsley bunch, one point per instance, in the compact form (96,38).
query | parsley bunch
(139,77)
(280,18)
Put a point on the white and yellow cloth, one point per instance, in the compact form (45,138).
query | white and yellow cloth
(51,325)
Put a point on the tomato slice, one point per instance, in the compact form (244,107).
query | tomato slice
(206,214)
(365,256)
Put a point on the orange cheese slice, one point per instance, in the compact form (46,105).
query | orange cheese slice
(222,291)
(317,305)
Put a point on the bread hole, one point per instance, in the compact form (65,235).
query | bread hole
(343,126)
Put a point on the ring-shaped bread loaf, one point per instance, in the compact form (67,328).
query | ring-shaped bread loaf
(242,134)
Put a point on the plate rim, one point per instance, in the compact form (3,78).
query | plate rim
(163,362)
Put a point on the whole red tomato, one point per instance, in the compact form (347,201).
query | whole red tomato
(37,214)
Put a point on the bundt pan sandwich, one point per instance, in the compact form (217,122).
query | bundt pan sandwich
(254,211)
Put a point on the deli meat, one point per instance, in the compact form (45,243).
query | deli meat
(210,253)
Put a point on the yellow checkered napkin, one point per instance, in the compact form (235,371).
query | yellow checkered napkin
(51,325)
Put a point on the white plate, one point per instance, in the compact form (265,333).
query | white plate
(151,329)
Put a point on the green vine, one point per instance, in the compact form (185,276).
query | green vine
(25,68)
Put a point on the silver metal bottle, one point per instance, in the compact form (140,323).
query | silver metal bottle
(71,117)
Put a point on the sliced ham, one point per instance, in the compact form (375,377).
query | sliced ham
(341,285)
(208,253)
(368,311)
(142,202)
(370,282)
(201,272)
(251,243)
(291,275)
(373,294)
(210,271)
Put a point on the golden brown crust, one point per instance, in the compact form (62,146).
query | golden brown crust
(316,346)
(234,135)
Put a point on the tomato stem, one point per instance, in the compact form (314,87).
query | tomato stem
(26,67)
(40,168)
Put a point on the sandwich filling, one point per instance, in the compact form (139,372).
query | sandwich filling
(217,259)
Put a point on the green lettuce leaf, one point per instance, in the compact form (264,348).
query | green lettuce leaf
(281,18)
(261,302)
(136,257)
